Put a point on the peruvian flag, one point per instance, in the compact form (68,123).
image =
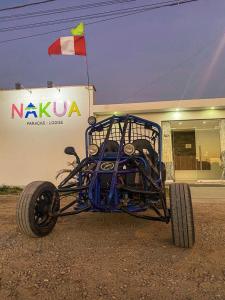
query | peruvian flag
(68,45)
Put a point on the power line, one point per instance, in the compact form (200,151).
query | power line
(26,5)
(98,21)
(83,17)
(41,13)
(98,15)
(143,10)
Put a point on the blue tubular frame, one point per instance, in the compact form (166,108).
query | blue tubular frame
(94,184)
(120,119)
(112,190)
(112,200)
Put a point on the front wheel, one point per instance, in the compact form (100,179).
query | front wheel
(35,206)
(182,220)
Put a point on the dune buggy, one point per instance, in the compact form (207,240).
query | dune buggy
(121,172)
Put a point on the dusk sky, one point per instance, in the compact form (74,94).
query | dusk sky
(168,53)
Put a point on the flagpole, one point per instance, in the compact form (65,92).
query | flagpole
(88,83)
(88,76)
(79,30)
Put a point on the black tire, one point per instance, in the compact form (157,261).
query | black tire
(163,172)
(33,207)
(182,220)
(159,204)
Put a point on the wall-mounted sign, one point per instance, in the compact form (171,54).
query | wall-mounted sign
(48,110)
(188,146)
(35,128)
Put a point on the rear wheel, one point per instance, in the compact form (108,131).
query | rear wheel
(35,205)
(182,220)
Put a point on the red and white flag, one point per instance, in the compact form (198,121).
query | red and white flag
(68,45)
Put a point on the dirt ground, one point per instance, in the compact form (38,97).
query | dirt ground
(112,256)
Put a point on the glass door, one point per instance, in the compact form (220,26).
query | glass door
(208,151)
(196,150)
(184,154)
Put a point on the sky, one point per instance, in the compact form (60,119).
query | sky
(169,53)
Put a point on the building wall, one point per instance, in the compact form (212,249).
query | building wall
(159,117)
(167,156)
(35,151)
(212,140)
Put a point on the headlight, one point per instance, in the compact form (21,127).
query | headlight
(129,149)
(92,120)
(92,149)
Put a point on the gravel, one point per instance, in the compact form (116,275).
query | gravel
(112,256)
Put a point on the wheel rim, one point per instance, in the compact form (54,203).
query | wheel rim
(42,208)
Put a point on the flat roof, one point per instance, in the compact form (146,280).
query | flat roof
(45,87)
(160,106)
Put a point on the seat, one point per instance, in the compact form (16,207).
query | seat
(141,144)
(111,146)
(151,157)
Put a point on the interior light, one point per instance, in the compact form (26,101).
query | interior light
(204,122)
(177,115)
(118,113)
(177,109)
(180,123)
(212,107)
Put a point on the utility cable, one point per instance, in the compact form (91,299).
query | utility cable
(42,13)
(26,5)
(98,15)
(90,23)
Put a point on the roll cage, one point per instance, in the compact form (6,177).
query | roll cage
(105,189)
(123,130)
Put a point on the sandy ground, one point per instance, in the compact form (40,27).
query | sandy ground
(112,256)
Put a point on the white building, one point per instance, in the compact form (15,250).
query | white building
(37,124)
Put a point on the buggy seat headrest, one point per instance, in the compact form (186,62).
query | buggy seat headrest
(111,146)
(141,144)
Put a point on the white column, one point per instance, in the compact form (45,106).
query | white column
(222,146)
(167,150)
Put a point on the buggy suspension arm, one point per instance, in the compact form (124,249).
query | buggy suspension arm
(133,190)
(83,163)
(142,170)
(69,189)
(158,189)
(61,212)
(165,219)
